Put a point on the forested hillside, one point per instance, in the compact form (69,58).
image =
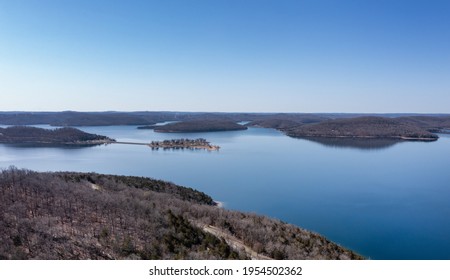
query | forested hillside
(363,127)
(200,126)
(35,135)
(91,216)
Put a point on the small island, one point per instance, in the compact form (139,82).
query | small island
(191,144)
(58,136)
(199,126)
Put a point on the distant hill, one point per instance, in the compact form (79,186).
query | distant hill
(68,215)
(84,119)
(275,123)
(60,136)
(70,118)
(200,126)
(143,118)
(363,127)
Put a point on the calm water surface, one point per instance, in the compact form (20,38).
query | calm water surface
(385,200)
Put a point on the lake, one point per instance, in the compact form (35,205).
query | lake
(383,199)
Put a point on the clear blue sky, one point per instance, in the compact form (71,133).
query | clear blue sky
(225,55)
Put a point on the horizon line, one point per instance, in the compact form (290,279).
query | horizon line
(221,112)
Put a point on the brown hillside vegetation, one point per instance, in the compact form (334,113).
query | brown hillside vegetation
(91,216)
(363,127)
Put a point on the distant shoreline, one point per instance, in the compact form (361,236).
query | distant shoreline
(424,139)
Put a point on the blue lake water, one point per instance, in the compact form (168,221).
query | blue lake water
(385,200)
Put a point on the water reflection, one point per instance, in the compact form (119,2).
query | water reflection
(49,145)
(355,143)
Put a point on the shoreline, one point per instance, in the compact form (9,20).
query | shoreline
(195,131)
(424,139)
(80,143)
(219,204)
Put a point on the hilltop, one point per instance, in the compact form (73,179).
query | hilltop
(67,215)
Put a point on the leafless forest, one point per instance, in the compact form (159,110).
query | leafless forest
(91,216)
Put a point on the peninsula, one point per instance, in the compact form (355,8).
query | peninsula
(362,127)
(200,126)
(58,136)
(191,144)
